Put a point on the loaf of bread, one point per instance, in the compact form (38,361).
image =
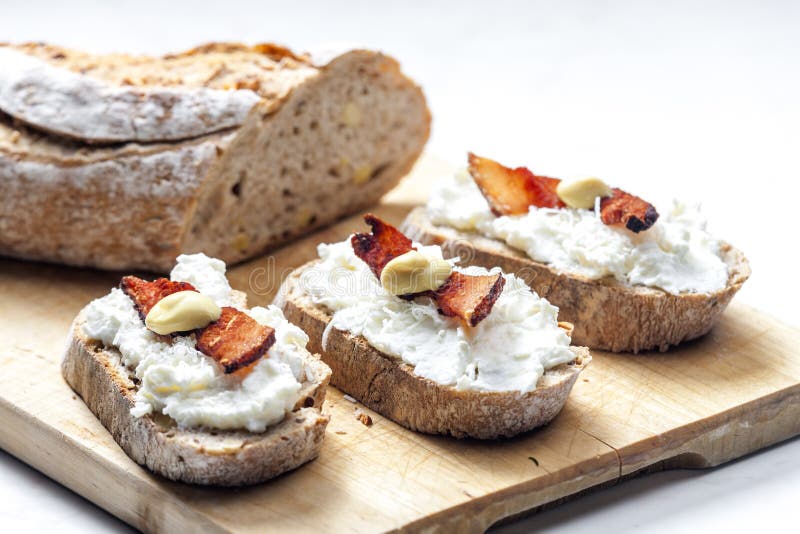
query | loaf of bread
(124,162)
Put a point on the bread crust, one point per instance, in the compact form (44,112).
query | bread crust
(62,102)
(607,314)
(233,193)
(94,214)
(194,456)
(390,387)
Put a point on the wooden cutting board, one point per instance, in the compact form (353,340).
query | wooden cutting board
(733,392)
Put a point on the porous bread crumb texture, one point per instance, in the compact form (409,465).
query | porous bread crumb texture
(195,456)
(607,314)
(389,386)
(313,166)
(297,163)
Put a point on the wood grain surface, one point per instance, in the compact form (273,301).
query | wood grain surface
(730,393)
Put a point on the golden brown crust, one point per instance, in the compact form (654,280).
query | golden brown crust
(220,65)
(195,456)
(273,51)
(607,314)
(390,387)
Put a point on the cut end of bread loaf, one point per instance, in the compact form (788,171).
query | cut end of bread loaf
(390,387)
(314,144)
(335,147)
(607,314)
(195,456)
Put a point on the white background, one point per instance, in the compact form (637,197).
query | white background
(693,100)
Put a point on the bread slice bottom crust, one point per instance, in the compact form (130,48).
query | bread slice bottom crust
(197,456)
(607,314)
(389,386)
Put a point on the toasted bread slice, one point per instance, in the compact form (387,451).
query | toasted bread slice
(607,314)
(389,386)
(196,456)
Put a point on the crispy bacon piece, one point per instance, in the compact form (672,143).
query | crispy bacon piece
(145,294)
(469,297)
(235,340)
(381,246)
(465,296)
(512,191)
(624,208)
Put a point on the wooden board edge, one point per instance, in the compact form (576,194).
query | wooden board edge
(132,502)
(685,460)
(743,430)
(477,515)
(747,429)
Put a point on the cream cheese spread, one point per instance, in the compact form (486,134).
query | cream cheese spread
(508,351)
(185,384)
(676,255)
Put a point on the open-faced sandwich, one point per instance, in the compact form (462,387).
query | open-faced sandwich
(628,278)
(434,347)
(192,384)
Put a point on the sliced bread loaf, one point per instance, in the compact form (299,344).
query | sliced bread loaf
(389,386)
(124,162)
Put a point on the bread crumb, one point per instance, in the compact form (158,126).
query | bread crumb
(365,419)
(349,398)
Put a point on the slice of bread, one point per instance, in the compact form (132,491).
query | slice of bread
(389,386)
(196,456)
(226,149)
(607,314)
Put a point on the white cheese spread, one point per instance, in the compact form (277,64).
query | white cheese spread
(676,255)
(508,351)
(181,382)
